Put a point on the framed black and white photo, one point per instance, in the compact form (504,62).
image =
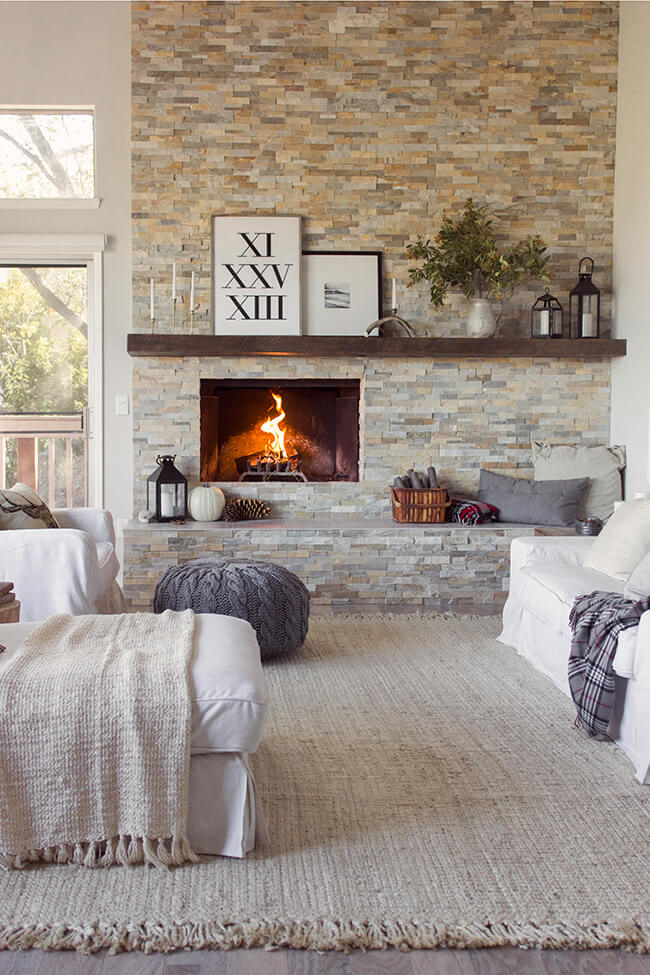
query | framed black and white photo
(256,268)
(341,291)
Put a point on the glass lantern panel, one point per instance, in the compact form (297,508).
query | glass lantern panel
(544,322)
(179,501)
(556,323)
(167,500)
(588,316)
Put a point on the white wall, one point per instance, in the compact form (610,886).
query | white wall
(631,375)
(79,53)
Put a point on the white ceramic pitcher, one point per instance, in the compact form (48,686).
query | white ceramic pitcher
(481,323)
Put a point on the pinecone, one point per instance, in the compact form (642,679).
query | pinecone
(246,509)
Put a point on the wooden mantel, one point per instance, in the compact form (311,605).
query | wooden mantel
(166,344)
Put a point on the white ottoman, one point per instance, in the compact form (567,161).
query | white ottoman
(229,703)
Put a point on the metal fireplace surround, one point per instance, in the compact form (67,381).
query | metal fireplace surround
(321,425)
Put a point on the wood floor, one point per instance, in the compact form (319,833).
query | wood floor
(497,961)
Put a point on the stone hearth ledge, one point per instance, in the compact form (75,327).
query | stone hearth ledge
(349,564)
(340,523)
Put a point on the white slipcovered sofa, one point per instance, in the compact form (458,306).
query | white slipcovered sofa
(71,569)
(546,575)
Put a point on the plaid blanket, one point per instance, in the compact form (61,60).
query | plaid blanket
(470,512)
(596,621)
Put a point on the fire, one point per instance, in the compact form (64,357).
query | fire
(276,445)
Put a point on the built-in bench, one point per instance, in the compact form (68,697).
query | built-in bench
(360,565)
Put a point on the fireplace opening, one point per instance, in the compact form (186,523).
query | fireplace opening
(284,430)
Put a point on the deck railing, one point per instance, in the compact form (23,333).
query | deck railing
(47,451)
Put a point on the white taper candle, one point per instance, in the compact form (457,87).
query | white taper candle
(192,291)
(394,299)
(174,281)
(151,311)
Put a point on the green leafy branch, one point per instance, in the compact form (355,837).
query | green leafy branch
(465,257)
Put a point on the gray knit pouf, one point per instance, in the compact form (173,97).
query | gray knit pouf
(273,600)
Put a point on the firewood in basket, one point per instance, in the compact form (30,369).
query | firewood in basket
(401,482)
(414,478)
(433,477)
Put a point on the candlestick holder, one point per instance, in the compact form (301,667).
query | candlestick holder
(193,308)
(153,324)
(392,319)
(174,300)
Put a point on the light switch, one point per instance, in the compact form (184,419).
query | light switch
(121,404)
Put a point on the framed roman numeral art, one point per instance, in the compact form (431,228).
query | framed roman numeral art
(256,266)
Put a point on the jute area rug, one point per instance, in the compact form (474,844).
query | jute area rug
(424,787)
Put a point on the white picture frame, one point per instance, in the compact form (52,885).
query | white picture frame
(256,271)
(341,291)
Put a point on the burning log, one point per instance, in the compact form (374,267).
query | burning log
(272,463)
(261,463)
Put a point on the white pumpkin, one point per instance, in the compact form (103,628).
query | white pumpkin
(206,503)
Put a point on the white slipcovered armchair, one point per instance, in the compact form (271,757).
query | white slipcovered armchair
(71,569)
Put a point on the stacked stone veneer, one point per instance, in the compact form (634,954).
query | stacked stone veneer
(368,120)
(457,414)
(351,566)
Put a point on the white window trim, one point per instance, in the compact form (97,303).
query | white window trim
(85,249)
(55,203)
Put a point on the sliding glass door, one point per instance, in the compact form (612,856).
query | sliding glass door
(44,381)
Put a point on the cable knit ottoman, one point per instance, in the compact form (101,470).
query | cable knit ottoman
(273,600)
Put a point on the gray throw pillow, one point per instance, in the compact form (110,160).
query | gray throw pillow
(532,502)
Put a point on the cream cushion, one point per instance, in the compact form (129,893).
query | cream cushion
(602,465)
(549,589)
(227,691)
(623,542)
(638,585)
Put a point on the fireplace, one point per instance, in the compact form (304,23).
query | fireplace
(289,430)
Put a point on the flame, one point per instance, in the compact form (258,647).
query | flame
(272,426)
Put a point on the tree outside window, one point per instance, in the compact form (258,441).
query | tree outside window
(47,155)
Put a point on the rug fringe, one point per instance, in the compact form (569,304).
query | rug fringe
(321,935)
(154,851)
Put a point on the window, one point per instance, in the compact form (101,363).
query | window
(47,155)
(51,365)
(44,380)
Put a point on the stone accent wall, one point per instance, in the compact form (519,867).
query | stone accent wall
(369,120)
(457,414)
(355,566)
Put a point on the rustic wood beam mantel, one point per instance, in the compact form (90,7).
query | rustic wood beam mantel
(222,346)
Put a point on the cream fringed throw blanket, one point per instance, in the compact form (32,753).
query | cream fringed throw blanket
(95,742)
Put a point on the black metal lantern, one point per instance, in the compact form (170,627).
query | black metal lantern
(584,305)
(546,317)
(167,491)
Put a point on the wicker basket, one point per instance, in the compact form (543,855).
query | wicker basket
(416,505)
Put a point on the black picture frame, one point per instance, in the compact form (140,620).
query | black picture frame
(342,291)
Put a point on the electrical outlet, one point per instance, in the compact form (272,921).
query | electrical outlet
(121,404)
